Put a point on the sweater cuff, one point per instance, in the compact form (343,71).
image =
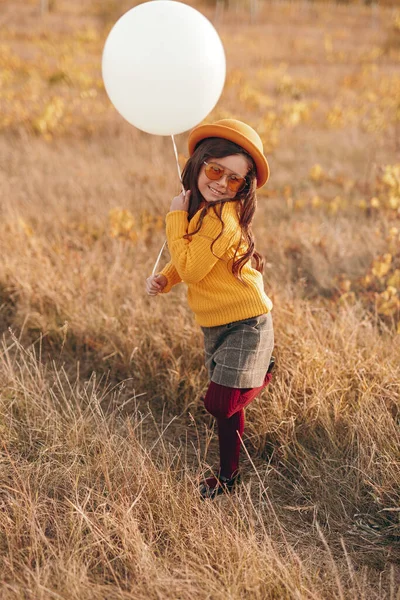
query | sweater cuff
(176,224)
(172,276)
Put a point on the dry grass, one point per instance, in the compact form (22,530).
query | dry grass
(104,434)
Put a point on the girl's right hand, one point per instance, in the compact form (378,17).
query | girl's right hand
(181,202)
(155,284)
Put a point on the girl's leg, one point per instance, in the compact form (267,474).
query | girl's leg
(227,405)
(230,432)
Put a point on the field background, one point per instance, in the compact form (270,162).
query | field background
(103,432)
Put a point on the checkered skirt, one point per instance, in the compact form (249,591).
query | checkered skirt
(237,354)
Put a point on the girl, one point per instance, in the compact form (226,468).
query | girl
(212,250)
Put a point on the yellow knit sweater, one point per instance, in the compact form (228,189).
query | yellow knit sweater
(215,295)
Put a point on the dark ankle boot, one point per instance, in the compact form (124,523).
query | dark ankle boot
(214,486)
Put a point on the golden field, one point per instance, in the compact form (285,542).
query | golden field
(104,434)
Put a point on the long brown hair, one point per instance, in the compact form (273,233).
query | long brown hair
(218,148)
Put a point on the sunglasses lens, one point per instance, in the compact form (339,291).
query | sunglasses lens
(214,171)
(235,185)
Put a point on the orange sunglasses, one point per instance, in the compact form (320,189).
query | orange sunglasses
(214,171)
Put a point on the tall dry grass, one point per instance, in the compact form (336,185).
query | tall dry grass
(94,508)
(104,433)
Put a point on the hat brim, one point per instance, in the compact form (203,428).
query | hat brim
(206,131)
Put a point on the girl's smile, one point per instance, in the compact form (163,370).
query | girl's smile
(212,190)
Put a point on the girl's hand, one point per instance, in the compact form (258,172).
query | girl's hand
(155,284)
(181,202)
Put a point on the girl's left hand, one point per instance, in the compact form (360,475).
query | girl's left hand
(181,202)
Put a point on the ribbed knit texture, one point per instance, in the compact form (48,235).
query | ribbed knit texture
(215,295)
(172,276)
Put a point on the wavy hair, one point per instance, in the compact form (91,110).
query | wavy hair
(218,148)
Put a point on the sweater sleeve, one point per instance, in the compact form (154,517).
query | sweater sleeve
(193,258)
(172,276)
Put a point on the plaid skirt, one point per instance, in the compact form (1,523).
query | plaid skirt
(237,354)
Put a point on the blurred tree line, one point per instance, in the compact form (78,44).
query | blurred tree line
(229,4)
(108,5)
(111,10)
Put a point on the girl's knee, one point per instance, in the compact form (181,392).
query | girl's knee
(220,401)
(219,412)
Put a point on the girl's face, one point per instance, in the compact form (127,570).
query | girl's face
(211,189)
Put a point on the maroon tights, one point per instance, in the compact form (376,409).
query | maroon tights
(227,405)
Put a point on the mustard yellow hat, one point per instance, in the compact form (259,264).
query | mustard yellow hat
(239,133)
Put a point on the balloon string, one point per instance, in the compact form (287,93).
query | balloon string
(180,179)
(177,161)
(158,258)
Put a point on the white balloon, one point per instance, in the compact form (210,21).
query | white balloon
(163,67)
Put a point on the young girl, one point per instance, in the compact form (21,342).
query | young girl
(212,250)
